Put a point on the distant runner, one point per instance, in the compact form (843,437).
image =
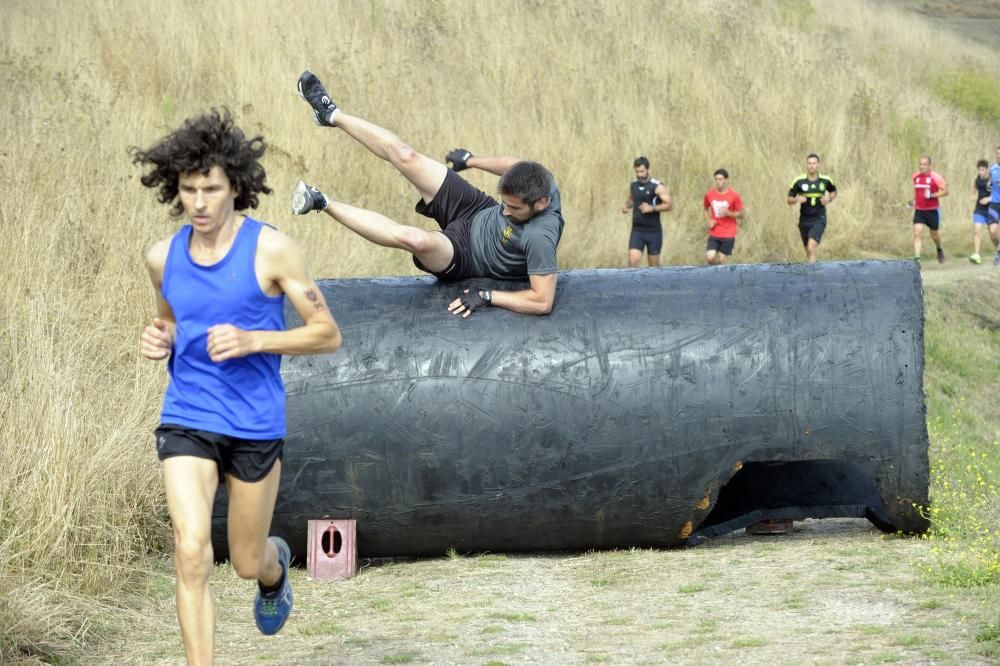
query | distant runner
(813,192)
(994,207)
(647,198)
(981,213)
(723,209)
(928,188)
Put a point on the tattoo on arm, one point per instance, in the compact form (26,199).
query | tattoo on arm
(315,299)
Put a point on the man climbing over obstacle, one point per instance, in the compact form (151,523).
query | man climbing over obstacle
(479,237)
(220,286)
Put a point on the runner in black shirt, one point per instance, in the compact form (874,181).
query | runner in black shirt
(647,198)
(814,192)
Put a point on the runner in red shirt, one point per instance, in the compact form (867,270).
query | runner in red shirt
(723,207)
(928,187)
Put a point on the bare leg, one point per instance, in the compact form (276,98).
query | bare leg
(811,246)
(710,257)
(432,248)
(634,257)
(424,173)
(653,259)
(935,237)
(918,239)
(975,238)
(190,487)
(251,505)
(995,235)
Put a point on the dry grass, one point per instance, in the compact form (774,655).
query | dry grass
(582,87)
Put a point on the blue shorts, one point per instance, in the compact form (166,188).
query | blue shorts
(982,217)
(994,210)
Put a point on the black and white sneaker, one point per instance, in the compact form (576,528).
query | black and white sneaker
(306,198)
(311,90)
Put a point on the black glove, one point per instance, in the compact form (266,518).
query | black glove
(457,159)
(473,301)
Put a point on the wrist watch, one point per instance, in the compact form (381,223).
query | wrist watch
(486,295)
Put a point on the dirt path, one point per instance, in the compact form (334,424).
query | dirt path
(959,269)
(836,591)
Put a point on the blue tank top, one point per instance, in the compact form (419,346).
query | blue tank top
(241,397)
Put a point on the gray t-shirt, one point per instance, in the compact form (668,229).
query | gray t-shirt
(507,250)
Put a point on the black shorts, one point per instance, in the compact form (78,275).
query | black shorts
(813,229)
(246,459)
(723,245)
(453,208)
(649,239)
(931,218)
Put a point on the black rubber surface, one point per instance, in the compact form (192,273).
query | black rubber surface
(652,407)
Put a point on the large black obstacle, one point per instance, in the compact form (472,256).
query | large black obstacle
(651,408)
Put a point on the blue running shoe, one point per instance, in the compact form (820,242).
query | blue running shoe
(271,609)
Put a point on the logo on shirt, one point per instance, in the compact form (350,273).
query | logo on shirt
(507,233)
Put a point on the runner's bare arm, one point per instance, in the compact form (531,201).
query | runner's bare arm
(709,220)
(537,299)
(942,189)
(157,338)
(496,165)
(282,264)
(666,201)
(628,203)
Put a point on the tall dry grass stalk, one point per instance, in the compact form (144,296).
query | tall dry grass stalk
(582,87)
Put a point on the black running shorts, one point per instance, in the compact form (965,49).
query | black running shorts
(246,459)
(931,218)
(453,208)
(813,230)
(723,245)
(649,239)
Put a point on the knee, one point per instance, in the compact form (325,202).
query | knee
(402,154)
(193,557)
(247,566)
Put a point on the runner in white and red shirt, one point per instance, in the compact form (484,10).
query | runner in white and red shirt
(928,187)
(723,208)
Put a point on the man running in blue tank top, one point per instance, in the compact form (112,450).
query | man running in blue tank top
(220,286)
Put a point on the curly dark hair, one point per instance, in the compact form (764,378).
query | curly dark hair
(211,139)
